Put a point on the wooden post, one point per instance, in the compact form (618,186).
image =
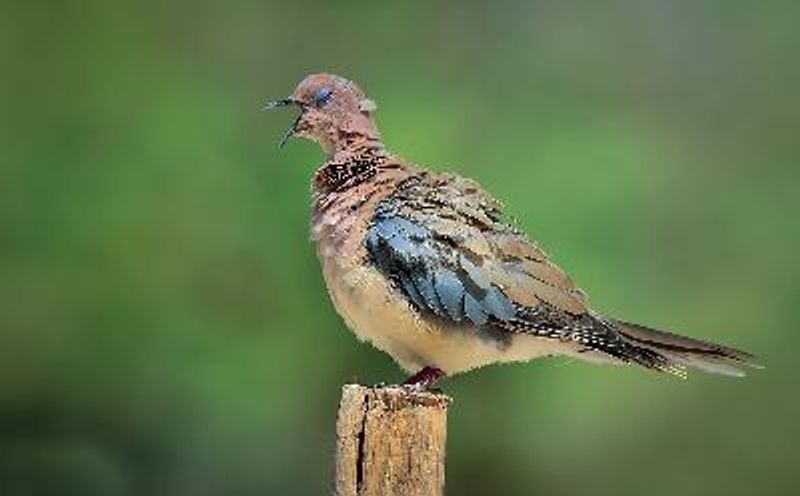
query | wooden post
(390,441)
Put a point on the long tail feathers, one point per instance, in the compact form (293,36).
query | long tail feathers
(680,352)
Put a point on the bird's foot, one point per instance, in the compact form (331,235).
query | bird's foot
(424,379)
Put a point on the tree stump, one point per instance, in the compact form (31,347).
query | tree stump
(390,441)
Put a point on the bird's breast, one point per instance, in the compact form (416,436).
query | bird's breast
(361,294)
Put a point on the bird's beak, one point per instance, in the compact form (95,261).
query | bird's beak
(283,102)
(278,103)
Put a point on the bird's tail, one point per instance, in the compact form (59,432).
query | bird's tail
(673,353)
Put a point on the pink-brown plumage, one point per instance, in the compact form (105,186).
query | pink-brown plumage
(423,266)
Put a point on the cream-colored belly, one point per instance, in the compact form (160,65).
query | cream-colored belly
(377,313)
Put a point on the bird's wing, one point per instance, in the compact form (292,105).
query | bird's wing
(443,243)
(442,240)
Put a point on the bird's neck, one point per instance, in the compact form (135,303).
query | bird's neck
(356,169)
(352,134)
(349,166)
(350,146)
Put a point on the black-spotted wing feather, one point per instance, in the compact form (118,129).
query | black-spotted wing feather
(442,241)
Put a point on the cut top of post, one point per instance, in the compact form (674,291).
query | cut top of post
(390,441)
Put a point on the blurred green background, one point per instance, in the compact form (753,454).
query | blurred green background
(164,328)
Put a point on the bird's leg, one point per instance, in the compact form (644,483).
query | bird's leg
(425,378)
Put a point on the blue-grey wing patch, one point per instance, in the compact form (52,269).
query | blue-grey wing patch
(433,274)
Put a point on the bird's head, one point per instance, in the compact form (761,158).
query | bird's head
(333,111)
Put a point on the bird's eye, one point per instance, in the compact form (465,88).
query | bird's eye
(323,96)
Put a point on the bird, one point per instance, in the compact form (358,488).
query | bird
(426,267)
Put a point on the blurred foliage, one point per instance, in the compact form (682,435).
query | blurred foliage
(164,328)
